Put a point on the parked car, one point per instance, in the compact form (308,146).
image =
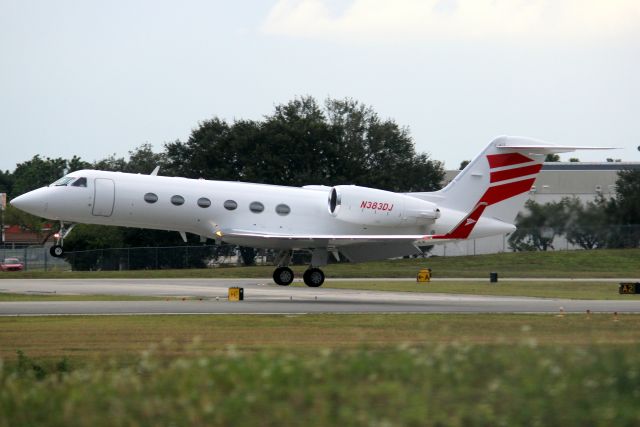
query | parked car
(11,264)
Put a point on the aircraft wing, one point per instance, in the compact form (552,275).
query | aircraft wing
(324,239)
(356,247)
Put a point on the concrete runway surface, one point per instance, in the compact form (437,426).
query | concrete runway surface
(264,297)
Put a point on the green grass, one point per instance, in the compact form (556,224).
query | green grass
(318,370)
(607,263)
(547,289)
(85,338)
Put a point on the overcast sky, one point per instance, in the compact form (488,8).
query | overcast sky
(94,78)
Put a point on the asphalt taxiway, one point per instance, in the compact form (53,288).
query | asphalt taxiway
(264,297)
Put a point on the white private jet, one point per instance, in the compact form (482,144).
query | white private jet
(360,223)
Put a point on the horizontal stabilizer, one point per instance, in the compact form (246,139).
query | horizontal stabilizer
(548,149)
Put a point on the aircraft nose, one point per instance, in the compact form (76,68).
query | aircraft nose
(32,202)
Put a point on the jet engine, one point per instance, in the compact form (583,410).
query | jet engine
(369,206)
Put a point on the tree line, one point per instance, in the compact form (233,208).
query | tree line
(602,223)
(303,141)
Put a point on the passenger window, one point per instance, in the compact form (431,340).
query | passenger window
(177,200)
(203,202)
(256,207)
(283,209)
(80,182)
(230,205)
(150,198)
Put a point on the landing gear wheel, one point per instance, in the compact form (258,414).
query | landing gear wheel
(313,277)
(56,251)
(283,276)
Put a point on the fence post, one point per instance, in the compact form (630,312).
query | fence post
(156,257)
(25,258)
(44,254)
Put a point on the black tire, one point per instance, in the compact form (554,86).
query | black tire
(313,277)
(56,251)
(283,276)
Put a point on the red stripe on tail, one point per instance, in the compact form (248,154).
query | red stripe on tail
(507,159)
(464,227)
(502,192)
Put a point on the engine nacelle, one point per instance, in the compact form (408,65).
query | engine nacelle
(368,206)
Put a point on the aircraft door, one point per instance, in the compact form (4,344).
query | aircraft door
(103,197)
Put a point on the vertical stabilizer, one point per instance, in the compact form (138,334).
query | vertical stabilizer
(498,179)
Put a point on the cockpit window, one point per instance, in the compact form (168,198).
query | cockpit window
(80,182)
(63,181)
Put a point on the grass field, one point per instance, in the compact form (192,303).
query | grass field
(574,264)
(318,370)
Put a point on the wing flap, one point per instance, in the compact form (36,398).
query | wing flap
(324,239)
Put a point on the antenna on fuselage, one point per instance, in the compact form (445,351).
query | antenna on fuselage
(155,171)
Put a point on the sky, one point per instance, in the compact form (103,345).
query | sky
(95,78)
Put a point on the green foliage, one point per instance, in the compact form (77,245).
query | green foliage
(626,205)
(537,228)
(36,173)
(302,143)
(453,384)
(586,224)
(6,182)
(29,369)
(463,164)
(13,216)
(552,158)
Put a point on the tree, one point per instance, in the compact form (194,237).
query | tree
(144,160)
(6,182)
(552,158)
(537,228)
(587,224)
(624,209)
(464,164)
(574,160)
(302,143)
(36,173)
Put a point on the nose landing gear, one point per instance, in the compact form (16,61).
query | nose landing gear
(57,250)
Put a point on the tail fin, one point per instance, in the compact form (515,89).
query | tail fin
(499,178)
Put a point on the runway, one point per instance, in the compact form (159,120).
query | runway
(264,297)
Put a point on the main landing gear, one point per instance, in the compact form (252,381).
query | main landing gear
(283,275)
(57,250)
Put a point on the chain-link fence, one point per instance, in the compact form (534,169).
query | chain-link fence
(34,258)
(37,258)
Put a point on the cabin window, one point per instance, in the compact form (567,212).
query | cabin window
(64,181)
(203,202)
(150,198)
(230,205)
(283,209)
(80,182)
(256,207)
(177,200)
